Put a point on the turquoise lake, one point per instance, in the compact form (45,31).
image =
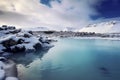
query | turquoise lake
(73,59)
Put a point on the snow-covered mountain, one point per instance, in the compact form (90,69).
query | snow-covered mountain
(69,29)
(51,29)
(112,26)
(38,29)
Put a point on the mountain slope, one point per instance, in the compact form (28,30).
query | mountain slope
(38,29)
(103,27)
(69,29)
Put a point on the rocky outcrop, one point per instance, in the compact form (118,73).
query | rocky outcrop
(17,40)
(17,49)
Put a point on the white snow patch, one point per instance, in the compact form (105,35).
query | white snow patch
(1,48)
(2,72)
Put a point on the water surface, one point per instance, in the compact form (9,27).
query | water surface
(74,59)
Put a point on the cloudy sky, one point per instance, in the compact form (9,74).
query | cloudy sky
(56,13)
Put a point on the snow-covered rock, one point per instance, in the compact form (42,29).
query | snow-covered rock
(22,41)
(15,41)
(1,48)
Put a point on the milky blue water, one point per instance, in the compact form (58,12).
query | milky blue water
(75,59)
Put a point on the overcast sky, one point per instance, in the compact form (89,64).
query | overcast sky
(56,13)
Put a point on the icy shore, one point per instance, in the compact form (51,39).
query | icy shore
(97,38)
(16,41)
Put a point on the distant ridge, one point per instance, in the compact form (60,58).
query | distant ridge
(104,26)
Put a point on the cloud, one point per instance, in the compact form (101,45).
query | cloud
(31,13)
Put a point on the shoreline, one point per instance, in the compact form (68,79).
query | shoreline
(97,38)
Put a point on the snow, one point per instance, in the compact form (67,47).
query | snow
(22,41)
(23,32)
(1,48)
(29,40)
(2,72)
(11,78)
(104,27)
(7,37)
(45,45)
(69,29)
(32,41)
(38,29)
(29,43)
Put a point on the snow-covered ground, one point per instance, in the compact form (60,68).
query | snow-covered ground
(38,29)
(112,26)
(69,29)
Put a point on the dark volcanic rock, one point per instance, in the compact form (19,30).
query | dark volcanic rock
(7,49)
(26,35)
(41,39)
(17,49)
(8,43)
(30,32)
(11,27)
(5,54)
(37,46)
(1,29)
(20,41)
(15,31)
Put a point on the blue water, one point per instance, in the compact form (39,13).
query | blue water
(75,59)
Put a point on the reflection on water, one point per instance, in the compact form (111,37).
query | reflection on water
(27,58)
(73,59)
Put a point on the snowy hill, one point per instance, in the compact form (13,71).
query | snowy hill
(38,29)
(112,26)
(69,29)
